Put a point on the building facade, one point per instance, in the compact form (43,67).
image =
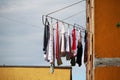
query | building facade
(34,73)
(103,26)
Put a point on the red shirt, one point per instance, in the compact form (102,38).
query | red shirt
(74,39)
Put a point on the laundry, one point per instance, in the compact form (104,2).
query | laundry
(50,45)
(64,46)
(79,50)
(73,47)
(63,42)
(68,45)
(46,37)
(73,63)
(53,63)
(53,48)
(74,41)
(86,47)
(58,57)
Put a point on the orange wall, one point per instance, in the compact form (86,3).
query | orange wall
(107,73)
(33,73)
(107,35)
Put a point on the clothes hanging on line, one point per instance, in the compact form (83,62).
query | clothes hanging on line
(53,64)
(50,45)
(86,47)
(73,63)
(68,45)
(58,57)
(79,50)
(74,41)
(63,41)
(65,45)
(51,49)
(46,34)
(46,37)
(49,52)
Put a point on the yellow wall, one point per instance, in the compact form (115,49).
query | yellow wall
(107,73)
(107,35)
(34,73)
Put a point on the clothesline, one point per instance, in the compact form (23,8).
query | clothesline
(66,45)
(63,45)
(74,15)
(59,21)
(75,25)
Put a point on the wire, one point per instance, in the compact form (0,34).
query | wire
(64,22)
(66,7)
(73,15)
(20,22)
(75,25)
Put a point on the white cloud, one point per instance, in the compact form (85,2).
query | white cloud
(20,5)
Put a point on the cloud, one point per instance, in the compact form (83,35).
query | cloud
(11,6)
(32,39)
(45,6)
(19,5)
(23,49)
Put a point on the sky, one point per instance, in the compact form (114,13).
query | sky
(21,30)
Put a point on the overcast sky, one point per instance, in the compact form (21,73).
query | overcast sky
(21,30)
